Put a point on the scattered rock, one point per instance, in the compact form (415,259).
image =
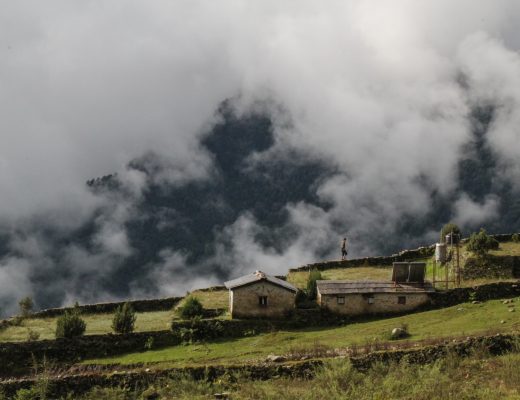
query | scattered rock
(460,309)
(475,302)
(502,322)
(398,333)
(511,310)
(221,395)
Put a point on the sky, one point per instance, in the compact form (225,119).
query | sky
(381,90)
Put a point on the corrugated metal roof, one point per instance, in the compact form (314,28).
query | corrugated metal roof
(347,287)
(258,276)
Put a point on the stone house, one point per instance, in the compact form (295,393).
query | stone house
(371,297)
(259,295)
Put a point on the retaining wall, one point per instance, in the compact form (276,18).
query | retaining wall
(406,255)
(147,305)
(78,384)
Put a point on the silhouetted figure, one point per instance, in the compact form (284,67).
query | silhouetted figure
(344,249)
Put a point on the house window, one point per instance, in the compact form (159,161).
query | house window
(370,299)
(340,300)
(262,301)
(401,300)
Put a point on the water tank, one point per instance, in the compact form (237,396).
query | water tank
(452,238)
(440,252)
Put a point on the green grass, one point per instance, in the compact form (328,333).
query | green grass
(460,320)
(299,279)
(96,324)
(507,249)
(218,298)
(101,323)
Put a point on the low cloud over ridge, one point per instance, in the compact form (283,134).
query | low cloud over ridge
(380,93)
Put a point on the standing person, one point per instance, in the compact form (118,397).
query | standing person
(344,249)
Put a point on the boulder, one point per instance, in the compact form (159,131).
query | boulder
(398,333)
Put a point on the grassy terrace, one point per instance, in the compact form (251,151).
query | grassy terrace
(299,279)
(101,323)
(465,319)
(384,272)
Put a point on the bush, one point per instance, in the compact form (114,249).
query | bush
(191,308)
(32,335)
(448,228)
(312,290)
(27,394)
(26,306)
(70,324)
(515,238)
(480,243)
(124,319)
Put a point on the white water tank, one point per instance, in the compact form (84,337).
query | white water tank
(440,252)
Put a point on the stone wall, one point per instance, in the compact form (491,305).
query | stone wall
(245,301)
(491,291)
(405,255)
(146,305)
(383,303)
(492,267)
(17,358)
(495,345)
(81,383)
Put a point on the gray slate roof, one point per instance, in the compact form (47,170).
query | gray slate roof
(353,287)
(256,277)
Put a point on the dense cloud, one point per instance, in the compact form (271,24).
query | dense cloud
(380,92)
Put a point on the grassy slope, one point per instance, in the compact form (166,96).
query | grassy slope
(101,323)
(453,321)
(299,279)
(96,324)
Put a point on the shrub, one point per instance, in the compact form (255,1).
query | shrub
(312,290)
(480,243)
(191,308)
(515,238)
(448,228)
(148,345)
(26,394)
(26,306)
(124,319)
(32,335)
(70,324)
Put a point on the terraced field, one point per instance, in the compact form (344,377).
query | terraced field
(465,319)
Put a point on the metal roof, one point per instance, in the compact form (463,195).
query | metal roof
(256,277)
(352,287)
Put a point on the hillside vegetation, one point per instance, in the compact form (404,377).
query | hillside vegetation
(460,320)
(479,377)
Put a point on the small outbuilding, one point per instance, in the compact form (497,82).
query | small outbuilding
(259,295)
(371,297)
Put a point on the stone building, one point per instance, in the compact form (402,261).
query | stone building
(259,295)
(371,297)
